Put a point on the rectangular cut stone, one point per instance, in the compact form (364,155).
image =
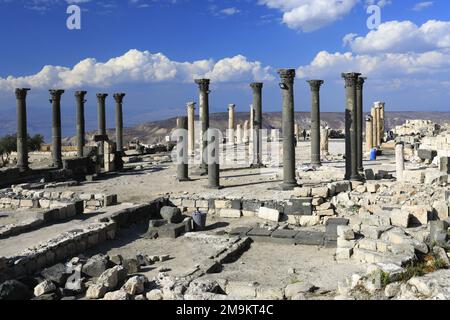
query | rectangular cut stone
(418,214)
(301,207)
(444,165)
(400,218)
(223,204)
(274,205)
(251,205)
(320,192)
(188,203)
(343,253)
(436,178)
(269,214)
(311,238)
(284,234)
(426,154)
(441,209)
(240,231)
(201,203)
(302,192)
(172,230)
(413,176)
(259,232)
(230,213)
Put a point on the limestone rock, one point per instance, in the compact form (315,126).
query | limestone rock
(117,295)
(96,291)
(269,214)
(44,287)
(296,288)
(135,285)
(95,266)
(57,273)
(155,295)
(171,214)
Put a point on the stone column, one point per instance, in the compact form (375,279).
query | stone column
(359,122)
(56,127)
(239,134)
(101,107)
(231,108)
(351,164)
(324,140)
(246,134)
(382,121)
(315,122)
(297,131)
(369,133)
(213,158)
(252,114)
(399,160)
(182,150)
(257,124)
(22,135)
(191,128)
(378,122)
(79,95)
(287,90)
(203,85)
(119,121)
(374,126)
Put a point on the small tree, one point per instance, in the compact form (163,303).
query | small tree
(35,142)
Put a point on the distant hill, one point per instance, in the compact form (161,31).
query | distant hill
(152,132)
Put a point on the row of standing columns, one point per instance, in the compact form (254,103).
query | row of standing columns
(55,100)
(376,120)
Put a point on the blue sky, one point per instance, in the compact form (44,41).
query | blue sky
(152,49)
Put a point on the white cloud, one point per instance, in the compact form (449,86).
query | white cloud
(140,66)
(403,36)
(311,15)
(423,5)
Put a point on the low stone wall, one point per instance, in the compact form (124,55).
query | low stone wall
(74,242)
(20,197)
(308,207)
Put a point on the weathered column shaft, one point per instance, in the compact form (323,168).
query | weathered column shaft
(203,85)
(213,158)
(101,111)
(382,121)
(359,122)
(378,135)
(374,127)
(252,122)
(191,128)
(119,121)
(315,121)
(324,140)
(231,108)
(182,150)
(22,134)
(351,163)
(56,127)
(239,134)
(399,161)
(287,90)
(369,134)
(79,95)
(257,123)
(246,133)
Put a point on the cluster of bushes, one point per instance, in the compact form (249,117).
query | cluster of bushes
(8,144)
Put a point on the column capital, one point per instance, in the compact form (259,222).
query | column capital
(315,84)
(231,106)
(360,83)
(101,96)
(203,84)
(21,93)
(80,94)
(56,94)
(190,105)
(119,97)
(350,78)
(256,85)
(287,75)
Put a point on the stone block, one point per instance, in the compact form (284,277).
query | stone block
(172,230)
(343,253)
(284,234)
(259,232)
(326,213)
(201,204)
(320,192)
(302,192)
(444,165)
(419,214)
(367,244)
(414,176)
(345,232)
(331,227)
(251,205)
(274,205)
(268,214)
(370,175)
(230,213)
(400,218)
(188,203)
(240,231)
(441,209)
(301,207)
(425,154)
(312,238)
(373,187)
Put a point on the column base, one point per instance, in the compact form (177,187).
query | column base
(288,186)
(184,179)
(356,178)
(257,166)
(23,169)
(214,187)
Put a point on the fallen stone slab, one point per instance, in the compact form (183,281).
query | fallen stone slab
(310,238)
(240,231)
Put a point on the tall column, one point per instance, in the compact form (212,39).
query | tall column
(369,133)
(378,115)
(315,122)
(374,126)
(382,120)
(287,90)
(252,115)
(101,107)
(324,141)
(56,127)
(213,136)
(359,122)
(22,144)
(351,164)
(239,134)
(191,128)
(297,131)
(203,85)
(182,150)
(231,108)
(79,95)
(246,134)
(257,124)
(119,121)
(399,160)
